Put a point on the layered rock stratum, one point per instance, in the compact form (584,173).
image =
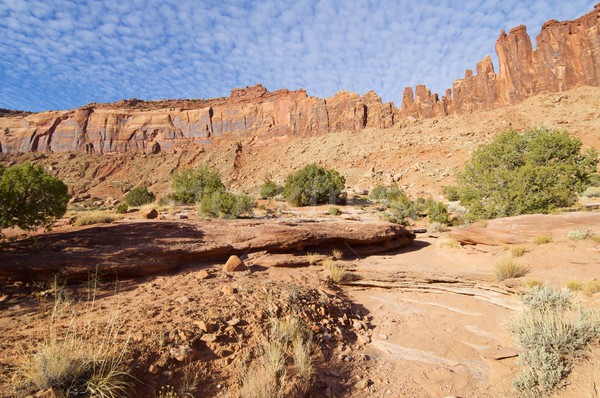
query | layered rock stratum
(567,55)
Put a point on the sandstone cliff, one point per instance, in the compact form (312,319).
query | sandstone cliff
(567,55)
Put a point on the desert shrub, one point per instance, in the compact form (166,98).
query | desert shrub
(589,287)
(225,204)
(542,240)
(121,208)
(337,254)
(591,192)
(334,211)
(533,172)
(552,334)
(270,189)
(314,185)
(437,212)
(448,242)
(506,269)
(451,193)
(574,286)
(437,227)
(29,197)
(192,184)
(139,196)
(378,192)
(96,217)
(312,258)
(579,234)
(401,210)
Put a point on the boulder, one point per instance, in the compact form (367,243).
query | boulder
(150,215)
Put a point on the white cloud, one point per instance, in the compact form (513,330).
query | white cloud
(63,54)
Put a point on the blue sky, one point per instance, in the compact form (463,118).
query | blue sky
(64,54)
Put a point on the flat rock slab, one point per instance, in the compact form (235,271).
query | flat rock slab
(146,247)
(522,229)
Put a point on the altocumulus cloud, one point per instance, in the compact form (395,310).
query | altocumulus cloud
(58,54)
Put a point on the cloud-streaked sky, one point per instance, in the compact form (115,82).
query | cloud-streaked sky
(60,54)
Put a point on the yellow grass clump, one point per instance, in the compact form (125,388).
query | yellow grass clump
(507,269)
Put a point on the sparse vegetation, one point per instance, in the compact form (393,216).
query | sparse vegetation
(518,251)
(270,189)
(121,208)
(437,212)
(336,273)
(289,341)
(553,334)
(96,217)
(448,242)
(591,192)
(30,197)
(312,258)
(86,362)
(542,240)
(226,205)
(191,185)
(533,282)
(533,172)
(507,269)
(451,193)
(139,196)
(589,287)
(437,227)
(579,234)
(313,185)
(334,211)
(337,254)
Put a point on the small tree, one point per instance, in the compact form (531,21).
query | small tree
(525,173)
(225,204)
(29,197)
(314,185)
(139,196)
(190,185)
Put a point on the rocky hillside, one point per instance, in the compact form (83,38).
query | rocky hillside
(567,55)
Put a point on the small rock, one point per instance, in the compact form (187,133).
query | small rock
(183,217)
(233,321)
(383,336)
(182,300)
(228,290)
(364,340)
(234,264)
(152,214)
(180,352)
(203,274)
(209,337)
(357,325)
(362,384)
(201,325)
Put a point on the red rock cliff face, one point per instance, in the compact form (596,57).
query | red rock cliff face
(567,55)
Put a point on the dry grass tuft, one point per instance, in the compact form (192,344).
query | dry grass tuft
(96,217)
(437,227)
(589,287)
(533,282)
(312,258)
(542,240)
(337,254)
(507,269)
(448,242)
(335,272)
(289,342)
(518,251)
(574,286)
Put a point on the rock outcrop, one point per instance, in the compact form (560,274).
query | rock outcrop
(567,55)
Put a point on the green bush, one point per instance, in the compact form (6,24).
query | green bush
(122,208)
(139,196)
(437,212)
(29,197)
(451,193)
(270,189)
(313,185)
(191,185)
(334,211)
(225,204)
(391,193)
(525,173)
